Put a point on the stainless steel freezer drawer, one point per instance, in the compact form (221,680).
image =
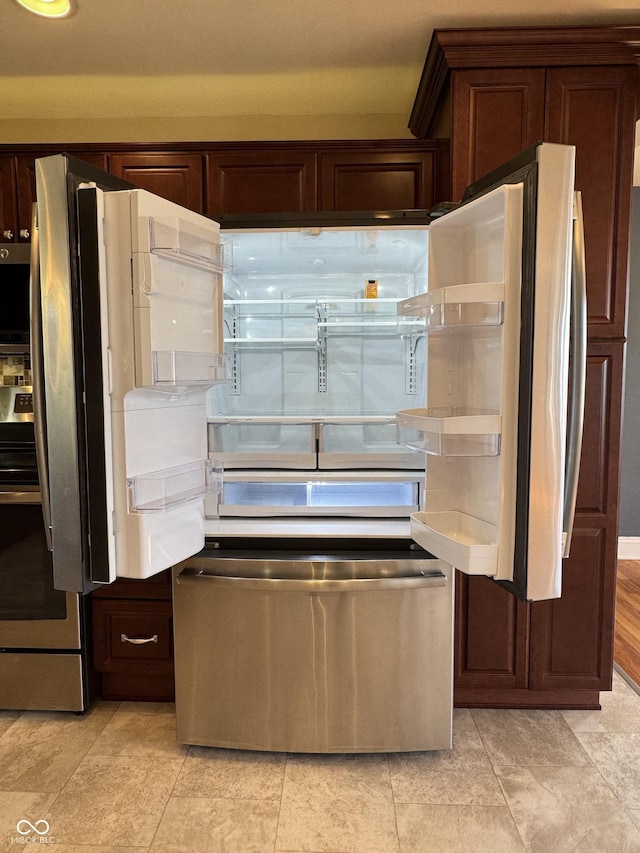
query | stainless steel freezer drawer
(314,654)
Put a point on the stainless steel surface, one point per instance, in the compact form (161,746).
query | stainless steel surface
(138,641)
(314,655)
(41,682)
(59,371)
(578,373)
(38,379)
(43,633)
(8,394)
(20,495)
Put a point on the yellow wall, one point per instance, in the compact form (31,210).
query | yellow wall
(322,104)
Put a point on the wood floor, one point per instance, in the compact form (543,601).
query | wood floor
(627,637)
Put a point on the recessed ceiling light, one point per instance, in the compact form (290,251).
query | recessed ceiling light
(48,8)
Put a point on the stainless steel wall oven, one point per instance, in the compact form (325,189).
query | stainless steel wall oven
(43,664)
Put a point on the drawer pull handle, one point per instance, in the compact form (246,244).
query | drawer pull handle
(138,641)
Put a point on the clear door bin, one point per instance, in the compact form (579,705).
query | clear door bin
(467,543)
(161,491)
(449,431)
(187,368)
(181,240)
(463,305)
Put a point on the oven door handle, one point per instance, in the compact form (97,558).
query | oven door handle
(37,378)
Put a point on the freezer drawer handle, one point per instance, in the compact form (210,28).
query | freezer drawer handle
(195,576)
(138,641)
(577,378)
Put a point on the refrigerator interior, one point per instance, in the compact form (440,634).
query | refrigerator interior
(318,362)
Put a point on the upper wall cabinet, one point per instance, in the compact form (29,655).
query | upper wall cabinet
(258,180)
(505,89)
(383,180)
(173,175)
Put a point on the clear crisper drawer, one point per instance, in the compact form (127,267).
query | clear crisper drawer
(465,542)
(262,443)
(187,368)
(160,491)
(450,431)
(185,242)
(318,497)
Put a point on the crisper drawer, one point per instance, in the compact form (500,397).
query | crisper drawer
(363,445)
(261,443)
(267,493)
(302,652)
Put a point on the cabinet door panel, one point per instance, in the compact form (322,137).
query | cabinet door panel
(377,181)
(261,182)
(8,218)
(497,113)
(572,638)
(177,177)
(593,109)
(490,635)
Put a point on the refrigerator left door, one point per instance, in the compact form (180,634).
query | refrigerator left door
(96,380)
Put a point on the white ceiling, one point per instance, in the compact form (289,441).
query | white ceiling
(189,58)
(152,37)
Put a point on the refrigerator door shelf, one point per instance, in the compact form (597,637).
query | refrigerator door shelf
(184,242)
(452,431)
(465,542)
(173,369)
(463,305)
(160,491)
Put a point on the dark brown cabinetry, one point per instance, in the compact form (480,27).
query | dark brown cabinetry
(176,176)
(133,639)
(275,180)
(8,211)
(504,90)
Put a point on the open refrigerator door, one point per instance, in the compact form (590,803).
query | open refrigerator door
(494,425)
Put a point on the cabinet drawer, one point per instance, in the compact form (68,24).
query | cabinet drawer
(132,634)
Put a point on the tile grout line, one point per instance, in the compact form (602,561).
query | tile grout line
(284,774)
(153,838)
(493,770)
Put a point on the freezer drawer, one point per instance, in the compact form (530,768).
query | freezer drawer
(314,653)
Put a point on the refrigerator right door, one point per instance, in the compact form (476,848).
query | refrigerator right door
(494,426)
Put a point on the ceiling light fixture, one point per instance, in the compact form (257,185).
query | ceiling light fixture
(48,8)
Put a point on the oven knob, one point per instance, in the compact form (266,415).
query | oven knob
(4,253)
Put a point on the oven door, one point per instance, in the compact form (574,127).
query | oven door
(33,615)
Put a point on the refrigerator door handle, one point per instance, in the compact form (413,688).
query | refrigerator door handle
(577,373)
(39,420)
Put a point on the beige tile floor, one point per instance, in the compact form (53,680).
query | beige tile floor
(116,780)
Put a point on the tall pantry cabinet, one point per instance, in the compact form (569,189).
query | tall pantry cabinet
(493,93)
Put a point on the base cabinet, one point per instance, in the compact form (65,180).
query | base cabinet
(133,639)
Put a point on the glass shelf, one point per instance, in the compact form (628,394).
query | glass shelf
(452,431)
(462,305)
(465,542)
(175,369)
(184,242)
(160,491)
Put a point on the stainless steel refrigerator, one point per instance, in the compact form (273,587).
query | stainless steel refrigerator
(396,404)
